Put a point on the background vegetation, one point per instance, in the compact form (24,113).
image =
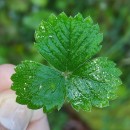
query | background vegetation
(20,18)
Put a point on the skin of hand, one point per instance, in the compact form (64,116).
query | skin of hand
(9,109)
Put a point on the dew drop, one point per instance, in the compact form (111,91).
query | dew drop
(50,36)
(42,27)
(108,96)
(40,87)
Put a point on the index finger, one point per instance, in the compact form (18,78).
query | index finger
(6,71)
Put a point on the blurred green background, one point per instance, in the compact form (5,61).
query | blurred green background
(20,18)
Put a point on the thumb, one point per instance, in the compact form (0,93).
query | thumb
(13,116)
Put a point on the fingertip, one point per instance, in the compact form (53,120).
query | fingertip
(6,72)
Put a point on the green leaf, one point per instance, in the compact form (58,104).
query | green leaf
(38,86)
(66,43)
(94,84)
(74,76)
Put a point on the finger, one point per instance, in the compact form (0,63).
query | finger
(6,71)
(39,121)
(13,116)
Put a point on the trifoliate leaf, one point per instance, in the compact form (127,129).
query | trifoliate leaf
(69,45)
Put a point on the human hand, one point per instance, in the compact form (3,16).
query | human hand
(14,116)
